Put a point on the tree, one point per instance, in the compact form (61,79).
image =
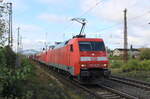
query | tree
(145,54)
(2,31)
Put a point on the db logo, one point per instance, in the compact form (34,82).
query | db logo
(93,54)
(93,58)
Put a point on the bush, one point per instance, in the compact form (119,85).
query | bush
(145,54)
(145,65)
(115,57)
(2,58)
(136,65)
(131,65)
(116,64)
(11,77)
(10,57)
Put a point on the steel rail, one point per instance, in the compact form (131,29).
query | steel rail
(107,95)
(132,82)
(111,93)
(121,94)
(74,82)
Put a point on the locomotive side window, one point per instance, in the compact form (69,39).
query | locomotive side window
(91,46)
(71,48)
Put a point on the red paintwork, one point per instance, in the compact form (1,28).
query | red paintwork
(66,57)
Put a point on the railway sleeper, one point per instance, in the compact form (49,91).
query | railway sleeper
(131,83)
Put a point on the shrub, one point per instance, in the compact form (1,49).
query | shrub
(2,57)
(131,66)
(11,77)
(145,54)
(116,64)
(10,57)
(136,65)
(115,57)
(145,65)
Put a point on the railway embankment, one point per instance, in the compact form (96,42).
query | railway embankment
(43,85)
(55,87)
(28,81)
(135,69)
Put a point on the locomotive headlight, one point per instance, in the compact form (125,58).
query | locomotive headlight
(83,65)
(105,65)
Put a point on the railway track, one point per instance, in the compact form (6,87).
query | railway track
(132,82)
(104,92)
(100,92)
(114,94)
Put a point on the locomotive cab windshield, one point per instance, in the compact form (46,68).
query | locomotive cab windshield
(91,46)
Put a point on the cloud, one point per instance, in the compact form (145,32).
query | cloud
(53,18)
(32,44)
(30,35)
(112,10)
(18,5)
(87,4)
(30,28)
(33,36)
(138,16)
(140,35)
(37,44)
(52,1)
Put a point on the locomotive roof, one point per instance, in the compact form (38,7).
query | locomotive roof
(61,44)
(74,39)
(96,39)
(86,39)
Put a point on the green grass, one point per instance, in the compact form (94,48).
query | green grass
(42,86)
(139,75)
(116,63)
(136,65)
(29,82)
(137,69)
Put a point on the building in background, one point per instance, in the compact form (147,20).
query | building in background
(132,52)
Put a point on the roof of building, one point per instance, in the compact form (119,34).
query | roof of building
(133,49)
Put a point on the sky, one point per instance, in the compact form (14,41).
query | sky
(50,21)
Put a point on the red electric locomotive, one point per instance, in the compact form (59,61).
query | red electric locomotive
(83,58)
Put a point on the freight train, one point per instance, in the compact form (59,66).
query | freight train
(84,59)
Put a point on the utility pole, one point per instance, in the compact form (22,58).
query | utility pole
(18,39)
(21,45)
(10,26)
(18,60)
(46,41)
(125,37)
(10,35)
